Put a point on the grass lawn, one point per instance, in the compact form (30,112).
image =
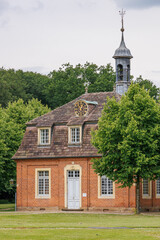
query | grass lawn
(74,226)
(7,207)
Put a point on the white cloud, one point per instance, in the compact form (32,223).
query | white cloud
(25,6)
(4,5)
(137,3)
(86,3)
(38,69)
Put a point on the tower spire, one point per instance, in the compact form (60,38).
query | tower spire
(122,58)
(122,13)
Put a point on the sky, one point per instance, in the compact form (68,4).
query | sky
(41,35)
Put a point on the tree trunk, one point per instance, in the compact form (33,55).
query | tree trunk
(137,196)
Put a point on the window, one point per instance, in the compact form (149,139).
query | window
(106,187)
(120,72)
(146,188)
(44,135)
(128,72)
(158,187)
(75,135)
(42,183)
(73,173)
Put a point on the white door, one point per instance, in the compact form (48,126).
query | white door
(73,190)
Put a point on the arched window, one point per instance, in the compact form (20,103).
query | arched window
(120,72)
(128,73)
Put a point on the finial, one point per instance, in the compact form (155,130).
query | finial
(86,89)
(122,13)
(86,84)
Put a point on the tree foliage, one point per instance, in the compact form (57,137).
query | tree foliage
(19,84)
(128,137)
(69,82)
(59,87)
(62,85)
(12,127)
(149,86)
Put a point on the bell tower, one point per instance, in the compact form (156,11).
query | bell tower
(122,57)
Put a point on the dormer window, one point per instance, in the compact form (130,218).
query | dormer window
(44,136)
(75,134)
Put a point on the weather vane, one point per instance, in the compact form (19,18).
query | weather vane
(122,13)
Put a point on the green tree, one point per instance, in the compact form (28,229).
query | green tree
(19,84)
(12,128)
(12,86)
(65,85)
(128,137)
(148,85)
(104,80)
(34,85)
(59,87)
(69,82)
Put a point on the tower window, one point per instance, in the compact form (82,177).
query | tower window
(128,73)
(120,72)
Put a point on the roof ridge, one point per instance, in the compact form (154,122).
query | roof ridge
(84,96)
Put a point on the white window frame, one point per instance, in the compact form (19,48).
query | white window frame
(70,135)
(106,196)
(39,136)
(149,194)
(37,195)
(157,183)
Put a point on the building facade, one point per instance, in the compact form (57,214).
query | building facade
(54,167)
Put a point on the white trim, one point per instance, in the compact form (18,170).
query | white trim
(67,168)
(69,134)
(39,136)
(36,183)
(112,196)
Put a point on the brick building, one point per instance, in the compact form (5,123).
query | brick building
(54,168)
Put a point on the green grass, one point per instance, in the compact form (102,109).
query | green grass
(84,234)
(58,226)
(69,220)
(7,207)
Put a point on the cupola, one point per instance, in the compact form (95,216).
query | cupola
(122,58)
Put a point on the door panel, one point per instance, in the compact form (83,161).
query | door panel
(73,190)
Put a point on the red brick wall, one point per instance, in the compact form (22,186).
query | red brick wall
(124,197)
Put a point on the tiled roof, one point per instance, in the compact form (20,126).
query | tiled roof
(59,119)
(65,113)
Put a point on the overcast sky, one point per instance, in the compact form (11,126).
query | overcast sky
(41,35)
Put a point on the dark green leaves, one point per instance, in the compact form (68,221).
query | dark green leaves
(128,138)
